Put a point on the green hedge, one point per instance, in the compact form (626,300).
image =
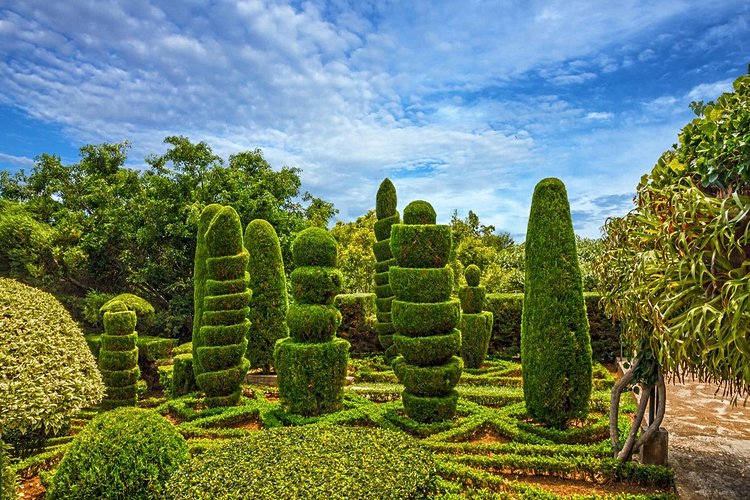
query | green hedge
(118,356)
(434,380)
(178,379)
(357,322)
(472,299)
(421,245)
(422,351)
(126,453)
(383,226)
(269,302)
(311,375)
(422,285)
(386,200)
(419,212)
(312,322)
(315,284)
(314,247)
(476,330)
(430,409)
(423,319)
(506,327)
(310,462)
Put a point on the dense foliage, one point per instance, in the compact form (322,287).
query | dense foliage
(118,356)
(47,373)
(100,225)
(676,268)
(124,453)
(476,324)
(269,303)
(555,343)
(311,363)
(310,462)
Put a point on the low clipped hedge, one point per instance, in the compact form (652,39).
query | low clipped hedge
(124,453)
(506,328)
(310,462)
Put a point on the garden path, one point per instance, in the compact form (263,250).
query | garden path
(709,442)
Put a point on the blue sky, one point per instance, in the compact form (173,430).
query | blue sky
(464,104)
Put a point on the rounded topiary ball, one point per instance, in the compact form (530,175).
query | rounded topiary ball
(472,274)
(314,247)
(123,453)
(419,212)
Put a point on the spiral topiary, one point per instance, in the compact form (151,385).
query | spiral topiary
(424,315)
(268,305)
(118,357)
(222,338)
(311,363)
(475,325)
(555,341)
(385,211)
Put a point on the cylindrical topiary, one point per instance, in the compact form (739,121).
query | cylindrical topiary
(555,342)
(222,338)
(424,315)
(199,278)
(268,304)
(385,211)
(311,363)
(475,325)
(118,357)
(125,453)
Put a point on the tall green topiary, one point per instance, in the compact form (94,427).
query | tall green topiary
(222,339)
(118,357)
(311,363)
(268,304)
(475,325)
(555,342)
(424,315)
(199,277)
(385,211)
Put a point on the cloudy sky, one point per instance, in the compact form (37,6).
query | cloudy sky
(464,104)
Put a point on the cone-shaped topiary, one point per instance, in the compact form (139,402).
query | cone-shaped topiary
(199,278)
(311,363)
(268,304)
(118,357)
(385,211)
(475,325)
(222,338)
(555,342)
(424,315)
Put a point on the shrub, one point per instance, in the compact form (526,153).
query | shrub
(26,245)
(357,319)
(220,355)
(385,210)
(310,462)
(46,369)
(429,369)
(475,325)
(555,343)
(140,306)
(125,453)
(311,364)
(91,307)
(118,356)
(268,304)
(9,483)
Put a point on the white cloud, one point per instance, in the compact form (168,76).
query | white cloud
(599,116)
(19,161)
(710,91)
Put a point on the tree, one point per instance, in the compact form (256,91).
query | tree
(356,260)
(674,269)
(555,342)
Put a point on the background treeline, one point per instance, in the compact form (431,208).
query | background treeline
(95,228)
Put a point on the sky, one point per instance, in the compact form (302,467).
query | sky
(464,104)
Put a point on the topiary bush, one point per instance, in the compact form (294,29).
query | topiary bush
(140,306)
(358,320)
(311,363)
(555,343)
(268,304)
(118,357)
(424,316)
(125,453)
(222,339)
(310,462)
(385,210)
(475,324)
(47,372)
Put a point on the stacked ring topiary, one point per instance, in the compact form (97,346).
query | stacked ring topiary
(223,332)
(475,325)
(385,211)
(424,315)
(311,362)
(118,357)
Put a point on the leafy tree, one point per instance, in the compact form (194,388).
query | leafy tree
(356,260)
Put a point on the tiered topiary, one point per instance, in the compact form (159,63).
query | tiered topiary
(311,363)
(222,338)
(475,325)
(424,315)
(199,278)
(118,357)
(385,211)
(268,304)
(555,342)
